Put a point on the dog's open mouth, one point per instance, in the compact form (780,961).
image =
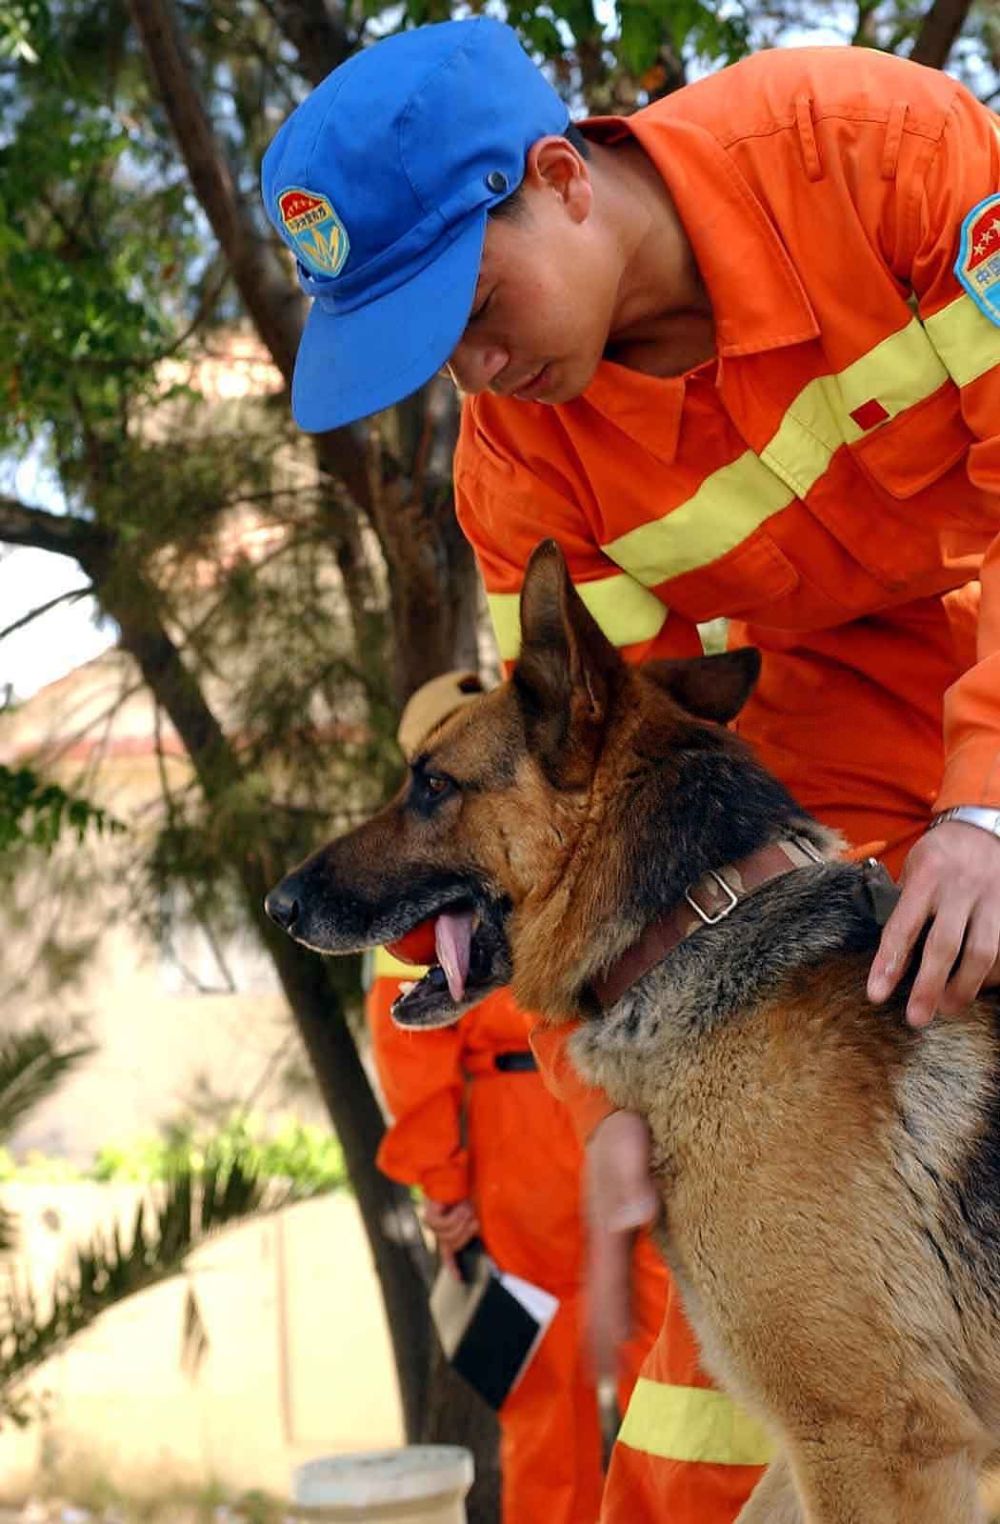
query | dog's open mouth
(461,950)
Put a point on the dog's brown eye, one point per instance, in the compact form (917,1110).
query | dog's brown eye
(435,785)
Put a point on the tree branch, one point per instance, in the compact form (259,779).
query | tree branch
(938,31)
(320,41)
(277,308)
(397,1247)
(61,533)
(275,305)
(45,608)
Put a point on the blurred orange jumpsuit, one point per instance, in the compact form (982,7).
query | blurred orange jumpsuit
(831,480)
(464,1128)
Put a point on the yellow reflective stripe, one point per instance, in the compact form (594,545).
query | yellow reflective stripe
(386,966)
(808,437)
(965,338)
(727,507)
(689,1423)
(626,612)
(730,504)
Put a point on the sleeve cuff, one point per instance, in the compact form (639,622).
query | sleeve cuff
(445,1183)
(588,1105)
(971,775)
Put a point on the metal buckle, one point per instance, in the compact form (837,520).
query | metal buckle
(720,915)
(808,848)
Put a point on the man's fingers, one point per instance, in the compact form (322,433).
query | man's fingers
(608,1311)
(457,1231)
(899,937)
(979,957)
(635,1213)
(941,950)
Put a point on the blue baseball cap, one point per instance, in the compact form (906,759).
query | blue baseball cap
(381,183)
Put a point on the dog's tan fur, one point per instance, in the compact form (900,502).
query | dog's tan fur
(827,1173)
(841,1341)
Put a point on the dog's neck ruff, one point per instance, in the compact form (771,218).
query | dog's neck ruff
(705,903)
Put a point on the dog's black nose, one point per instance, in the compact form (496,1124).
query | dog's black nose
(282,906)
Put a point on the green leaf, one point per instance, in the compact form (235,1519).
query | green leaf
(33,1064)
(640,39)
(184,1211)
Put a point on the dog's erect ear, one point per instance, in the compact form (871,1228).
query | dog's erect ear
(565,674)
(712,687)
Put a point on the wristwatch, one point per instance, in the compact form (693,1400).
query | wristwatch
(971,814)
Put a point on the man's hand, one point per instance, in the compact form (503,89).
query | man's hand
(952,880)
(620,1197)
(453,1226)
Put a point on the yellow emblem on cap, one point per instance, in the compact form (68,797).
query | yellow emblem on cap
(319,236)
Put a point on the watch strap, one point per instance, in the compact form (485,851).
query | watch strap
(980,815)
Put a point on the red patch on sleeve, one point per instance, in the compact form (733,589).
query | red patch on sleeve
(869,414)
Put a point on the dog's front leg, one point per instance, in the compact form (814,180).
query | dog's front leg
(774,1500)
(845,1482)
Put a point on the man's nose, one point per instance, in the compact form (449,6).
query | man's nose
(474,367)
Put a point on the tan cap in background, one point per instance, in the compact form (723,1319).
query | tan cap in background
(431,704)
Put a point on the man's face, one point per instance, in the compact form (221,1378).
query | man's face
(544,302)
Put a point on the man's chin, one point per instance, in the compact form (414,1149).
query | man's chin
(568,383)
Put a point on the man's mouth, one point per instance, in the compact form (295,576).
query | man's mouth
(529,390)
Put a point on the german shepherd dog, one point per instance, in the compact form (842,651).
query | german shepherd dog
(830,1177)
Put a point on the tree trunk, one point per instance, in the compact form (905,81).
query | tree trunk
(433,597)
(432,574)
(397,1246)
(939,31)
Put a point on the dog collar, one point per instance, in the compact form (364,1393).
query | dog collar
(706,902)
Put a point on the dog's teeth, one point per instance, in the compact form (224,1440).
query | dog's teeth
(407,986)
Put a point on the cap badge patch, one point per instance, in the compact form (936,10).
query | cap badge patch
(319,236)
(978,263)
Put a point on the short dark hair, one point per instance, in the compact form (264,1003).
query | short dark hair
(513,205)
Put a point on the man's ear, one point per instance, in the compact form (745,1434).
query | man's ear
(711,687)
(553,163)
(565,675)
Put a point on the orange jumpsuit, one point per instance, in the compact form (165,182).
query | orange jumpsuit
(464,1128)
(830,483)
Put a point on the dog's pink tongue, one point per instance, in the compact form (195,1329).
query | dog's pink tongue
(452,941)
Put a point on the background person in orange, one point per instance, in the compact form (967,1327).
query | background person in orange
(740,355)
(495,1154)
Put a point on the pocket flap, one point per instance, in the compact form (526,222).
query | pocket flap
(917,447)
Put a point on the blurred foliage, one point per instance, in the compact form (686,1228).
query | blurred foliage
(198,1184)
(309,1157)
(178,1215)
(33,1064)
(36,813)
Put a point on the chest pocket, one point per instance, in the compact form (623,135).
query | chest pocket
(859,484)
(748,580)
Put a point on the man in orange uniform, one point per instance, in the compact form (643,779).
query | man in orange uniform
(495,1154)
(739,355)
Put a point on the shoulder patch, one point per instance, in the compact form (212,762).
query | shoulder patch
(978,264)
(319,236)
